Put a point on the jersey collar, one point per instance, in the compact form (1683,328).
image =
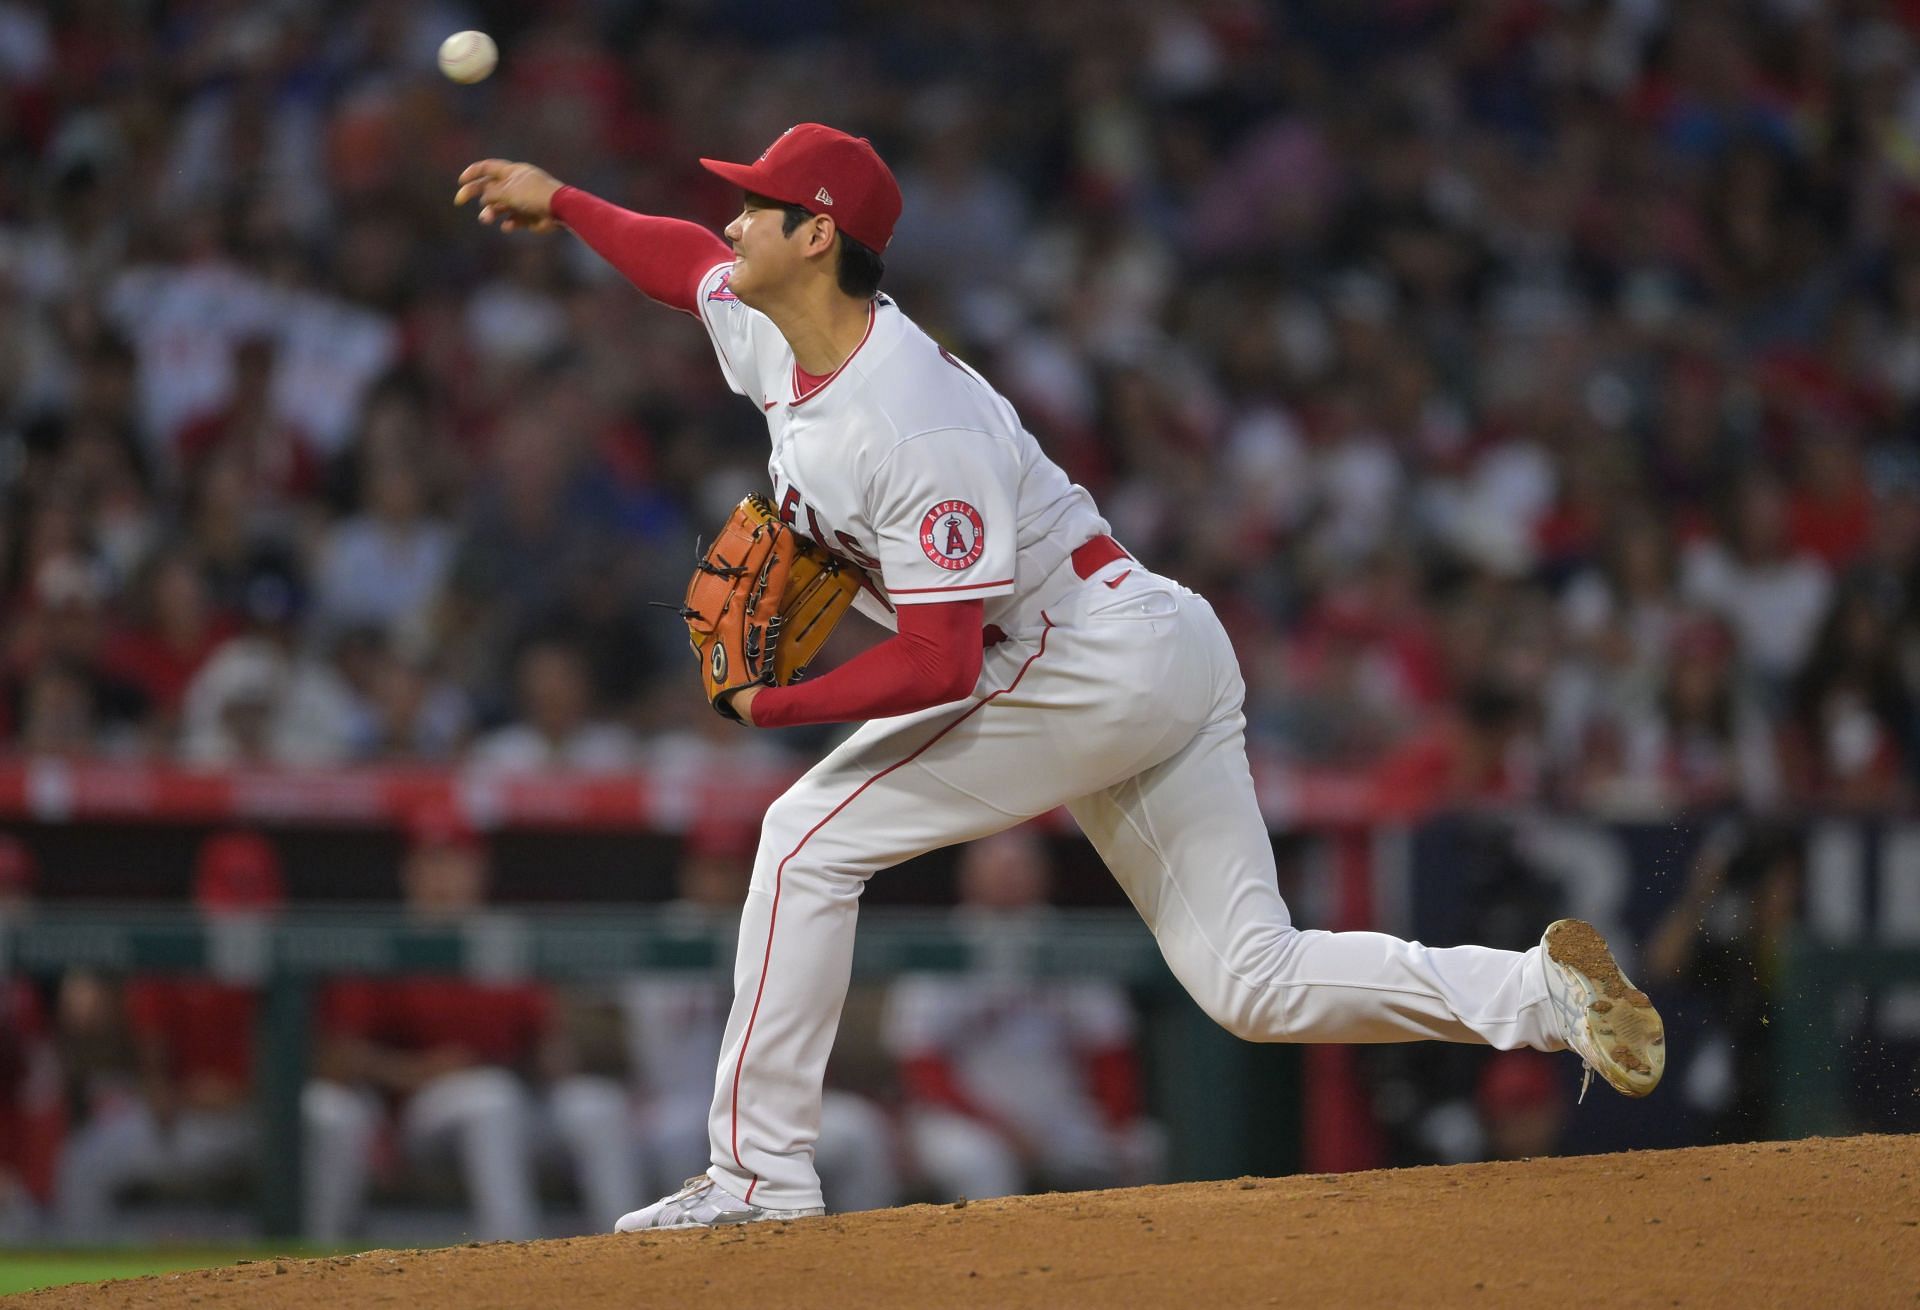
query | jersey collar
(799,398)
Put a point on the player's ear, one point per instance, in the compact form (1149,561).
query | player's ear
(820,234)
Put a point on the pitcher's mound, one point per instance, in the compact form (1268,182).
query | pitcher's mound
(1821,1223)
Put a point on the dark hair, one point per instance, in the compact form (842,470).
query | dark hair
(860,268)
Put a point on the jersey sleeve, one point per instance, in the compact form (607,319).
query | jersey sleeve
(748,345)
(942,508)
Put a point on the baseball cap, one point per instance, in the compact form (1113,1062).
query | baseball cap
(437,825)
(238,871)
(824,171)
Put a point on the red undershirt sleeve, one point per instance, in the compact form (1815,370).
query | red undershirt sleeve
(935,658)
(664,257)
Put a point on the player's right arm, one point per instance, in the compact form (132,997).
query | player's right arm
(666,258)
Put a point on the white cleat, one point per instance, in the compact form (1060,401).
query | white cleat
(1610,1024)
(703,1203)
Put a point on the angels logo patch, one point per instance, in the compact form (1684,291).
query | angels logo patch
(953,534)
(723,289)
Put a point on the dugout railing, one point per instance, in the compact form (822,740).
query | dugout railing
(1823,989)
(1229,1107)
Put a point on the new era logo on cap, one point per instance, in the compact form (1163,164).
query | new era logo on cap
(820,168)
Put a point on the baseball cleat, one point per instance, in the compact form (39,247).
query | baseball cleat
(1610,1024)
(703,1203)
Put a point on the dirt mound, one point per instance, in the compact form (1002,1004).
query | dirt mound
(1833,1222)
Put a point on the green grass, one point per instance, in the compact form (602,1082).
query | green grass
(24,1271)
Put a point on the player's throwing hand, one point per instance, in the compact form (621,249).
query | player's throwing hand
(518,195)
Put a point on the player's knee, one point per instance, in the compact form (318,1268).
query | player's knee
(781,832)
(784,850)
(486,1093)
(1238,1019)
(337,1113)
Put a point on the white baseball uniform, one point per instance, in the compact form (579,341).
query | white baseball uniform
(1016,1047)
(1115,694)
(674,1026)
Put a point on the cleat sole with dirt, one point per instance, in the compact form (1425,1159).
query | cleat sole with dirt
(1620,1036)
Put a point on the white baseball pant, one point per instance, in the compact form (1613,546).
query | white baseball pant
(1125,706)
(124,1144)
(487,1121)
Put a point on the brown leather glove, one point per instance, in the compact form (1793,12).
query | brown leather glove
(762,602)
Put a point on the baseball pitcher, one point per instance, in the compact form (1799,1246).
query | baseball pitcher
(1034,664)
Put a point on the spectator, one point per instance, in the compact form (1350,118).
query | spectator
(191,1120)
(1009,1080)
(452,1060)
(406,711)
(174,632)
(1851,710)
(1703,743)
(1284,338)
(557,728)
(276,460)
(384,567)
(1772,596)
(261,699)
(66,697)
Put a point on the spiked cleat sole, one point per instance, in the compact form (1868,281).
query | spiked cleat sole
(1620,1035)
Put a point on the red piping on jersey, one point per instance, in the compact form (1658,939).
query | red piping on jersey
(873,316)
(970,586)
(773,916)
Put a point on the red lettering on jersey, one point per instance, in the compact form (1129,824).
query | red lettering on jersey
(788,504)
(851,549)
(813,527)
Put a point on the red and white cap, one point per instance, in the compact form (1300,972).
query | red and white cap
(440,825)
(238,871)
(824,171)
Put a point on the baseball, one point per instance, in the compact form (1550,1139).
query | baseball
(468,56)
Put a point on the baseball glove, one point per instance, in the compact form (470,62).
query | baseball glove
(762,602)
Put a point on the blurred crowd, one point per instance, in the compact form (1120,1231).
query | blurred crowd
(130,1103)
(1530,384)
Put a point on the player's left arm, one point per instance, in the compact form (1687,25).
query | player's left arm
(942,506)
(933,659)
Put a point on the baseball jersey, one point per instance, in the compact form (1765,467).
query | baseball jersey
(206,1027)
(1017,1045)
(905,461)
(499,1025)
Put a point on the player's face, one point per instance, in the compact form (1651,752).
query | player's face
(764,256)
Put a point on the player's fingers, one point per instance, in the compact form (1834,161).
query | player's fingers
(487,214)
(481,168)
(508,225)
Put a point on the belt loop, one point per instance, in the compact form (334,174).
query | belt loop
(1095,554)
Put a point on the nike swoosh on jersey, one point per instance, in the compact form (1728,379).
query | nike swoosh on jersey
(1114,582)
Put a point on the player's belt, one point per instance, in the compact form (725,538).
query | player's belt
(1095,554)
(1088,559)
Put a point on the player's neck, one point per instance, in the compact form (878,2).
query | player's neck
(823,328)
